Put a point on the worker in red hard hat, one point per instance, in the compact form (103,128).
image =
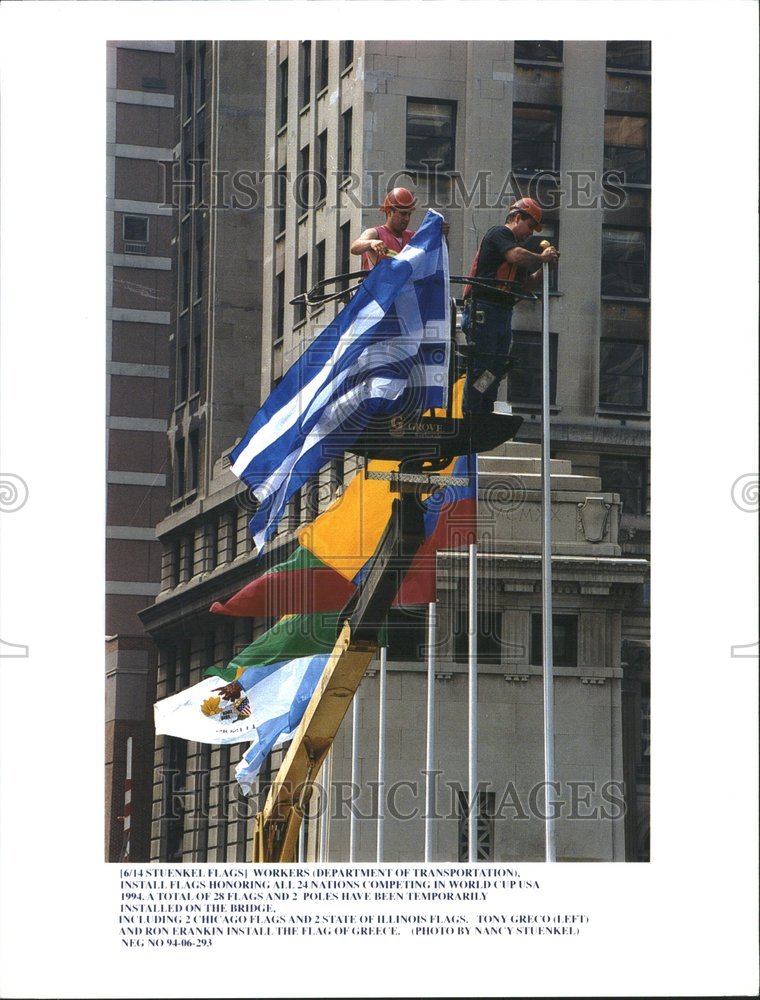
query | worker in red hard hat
(389,239)
(386,241)
(487,313)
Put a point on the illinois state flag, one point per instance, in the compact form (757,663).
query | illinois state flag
(386,352)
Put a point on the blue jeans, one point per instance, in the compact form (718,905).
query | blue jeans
(489,335)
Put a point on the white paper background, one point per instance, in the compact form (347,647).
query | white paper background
(683,925)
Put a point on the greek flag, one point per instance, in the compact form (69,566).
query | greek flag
(385,353)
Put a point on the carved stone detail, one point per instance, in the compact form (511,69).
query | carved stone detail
(593,518)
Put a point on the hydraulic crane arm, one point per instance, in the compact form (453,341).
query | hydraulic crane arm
(414,444)
(276,832)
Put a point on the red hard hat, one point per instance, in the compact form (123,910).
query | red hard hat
(399,198)
(531,208)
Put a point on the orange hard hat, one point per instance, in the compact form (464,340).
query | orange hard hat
(399,198)
(531,208)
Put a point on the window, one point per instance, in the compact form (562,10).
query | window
(135,233)
(626,475)
(564,640)
(305,73)
(346,54)
(185,286)
(535,139)
(179,468)
(279,306)
(538,51)
(489,635)
(525,379)
(323,65)
(626,147)
(282,94)
(302,186)
(550,232)
(183,363)
(485,826)
(281,197)
(407,633)
(345,252)
(197,349)
(629,55)
(346,127)
(623,373)
(646,727)
(202,74)
(320,262)
(337,474)
(302,277)
(174,774)
(189,182)
(188,87)
(193,461)
(199,264)
(625,263)
(320,178)
(430,132)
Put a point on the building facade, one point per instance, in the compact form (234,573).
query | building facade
(140,288)
(284,152)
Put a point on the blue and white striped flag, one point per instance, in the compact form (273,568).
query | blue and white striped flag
(387,352)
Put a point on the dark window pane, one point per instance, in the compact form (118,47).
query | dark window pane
(538,51)
(535,135)
(629,55)
(282,93)
(489,635)
(346,142)
(407,636)
(623,373)
(430,131)
(305,73)
(323,64)
(135,229)
(346,54)
(564,640)
(626,476)
(625,263)
(626,147)
(525,379)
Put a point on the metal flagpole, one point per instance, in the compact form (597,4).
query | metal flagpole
(472,687)
(546,574)
(354,777)
(381,757)
(430,747)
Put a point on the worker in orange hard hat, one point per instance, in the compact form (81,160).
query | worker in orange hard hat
(389,239)
(487,313)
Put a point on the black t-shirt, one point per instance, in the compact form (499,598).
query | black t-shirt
(491,264)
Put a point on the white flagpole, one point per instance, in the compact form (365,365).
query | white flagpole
(472,686)
(354,777)
(381,757)
(430,747)
(546,577)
